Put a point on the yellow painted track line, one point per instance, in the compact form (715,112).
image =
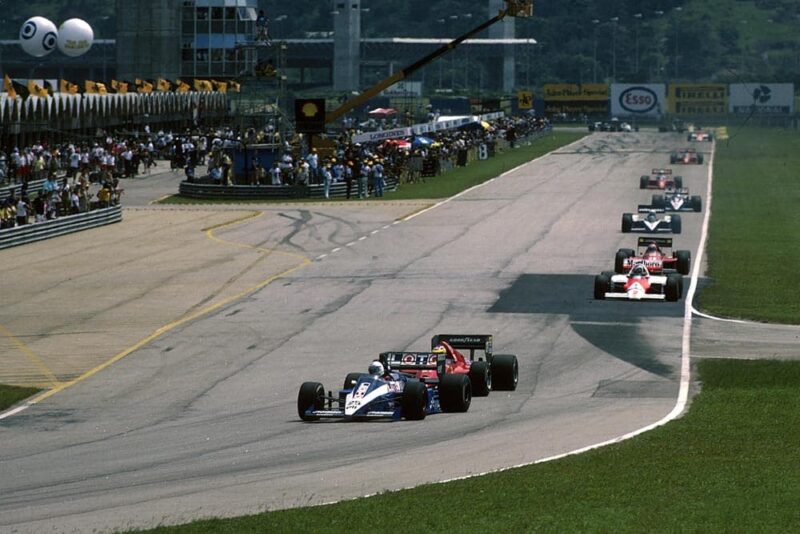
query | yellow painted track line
(61,386)
(32,357)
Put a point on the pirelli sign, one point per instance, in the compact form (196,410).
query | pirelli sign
(698,99)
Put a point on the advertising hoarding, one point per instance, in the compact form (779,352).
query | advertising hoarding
(698,99)
(638,100)
(761,98)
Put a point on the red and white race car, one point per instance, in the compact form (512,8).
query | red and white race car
(497,371)
(686,156)
(660,179)
(700,135)
(651,252)
(638,284)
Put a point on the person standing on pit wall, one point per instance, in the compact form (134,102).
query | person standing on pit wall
(262,27)
(313,165)
(327,178)
(363,179)
(377,178)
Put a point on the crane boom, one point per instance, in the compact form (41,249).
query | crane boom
(514,8)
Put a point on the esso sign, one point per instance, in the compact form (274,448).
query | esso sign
(638,99)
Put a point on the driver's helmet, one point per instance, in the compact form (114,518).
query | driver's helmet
(652,248)
(639,270)
(439,349)
(651,216)
(376,368)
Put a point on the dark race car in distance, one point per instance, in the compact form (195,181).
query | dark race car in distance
(678,200)
(648,221)
(660,179)
(656,254)
(686,156)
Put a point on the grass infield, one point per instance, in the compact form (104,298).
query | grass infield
(753,247)
(444,185)
(10,395)
(727,465)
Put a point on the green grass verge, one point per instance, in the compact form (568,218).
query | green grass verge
(444,185)
(753,248)
(729,465)
(10,395)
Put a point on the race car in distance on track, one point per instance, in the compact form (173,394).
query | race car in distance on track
(650,223)
(660,179)
(677,200)
(614,125)
(700,135)
(686,156)
(638,284)
(385,393)
(650,252)
(497,371)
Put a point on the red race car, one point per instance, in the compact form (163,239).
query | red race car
(686,156)
(660,179)
(650,252)
(497,371)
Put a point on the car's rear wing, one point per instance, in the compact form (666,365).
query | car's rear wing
(661,242)
(644,208)
(661,171)
(413,361)
(470,342)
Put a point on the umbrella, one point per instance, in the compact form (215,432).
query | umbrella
(422,141)
(382,112)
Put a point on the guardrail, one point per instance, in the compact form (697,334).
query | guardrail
(34,186)
(29,233)
(270,192)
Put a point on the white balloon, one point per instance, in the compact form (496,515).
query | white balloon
(38,36)
(75,37)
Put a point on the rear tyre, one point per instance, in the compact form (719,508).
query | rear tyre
(684,258)
(312,395)
(676,224)
(619,260)
(627,222)
(697,203)
(673,287)
(480,376)
(601,283)
(643,182)
(351,380)
(678,181)
(414,402)
(455,393)
(699,159)
(505,372)
(658,202)
(673,160)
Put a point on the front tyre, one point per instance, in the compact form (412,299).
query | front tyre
(684,260)
(627,222)
(505,372)
(601,284)
(480,376)
(312,395)
(697,203)
(675,224)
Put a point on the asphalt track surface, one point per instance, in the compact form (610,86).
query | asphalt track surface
(202,421)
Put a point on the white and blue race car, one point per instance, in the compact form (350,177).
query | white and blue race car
(389,395)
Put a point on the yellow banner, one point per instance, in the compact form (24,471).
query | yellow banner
(566,92)
(524,99)
(698,99)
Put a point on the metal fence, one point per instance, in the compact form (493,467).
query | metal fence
(270,192)
(34,187)
(29,233)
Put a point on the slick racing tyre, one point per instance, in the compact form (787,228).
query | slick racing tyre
(673,289)
(678,181)
(627,222)
(414,402)
(619,260)
(312,395)
(699,159)
(676,224)
(684,258)
(351,380)
(455,393)
(643,182)
(601,283)
(697,203)
(480,376)
(658,202)
(505,372)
